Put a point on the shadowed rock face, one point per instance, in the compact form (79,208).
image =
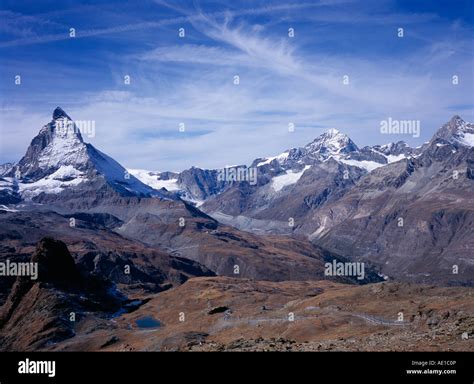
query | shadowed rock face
(67,296)
(317,185)
(55,263)
(56,268)
(219,248)
(96,249)
(201,183)
(38,312)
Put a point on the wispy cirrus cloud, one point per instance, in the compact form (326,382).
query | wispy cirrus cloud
(299,80)
(24,25)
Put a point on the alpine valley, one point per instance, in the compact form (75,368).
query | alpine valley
(210,259)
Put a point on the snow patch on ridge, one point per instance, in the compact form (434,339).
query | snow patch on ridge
(8,209)
(66,176)
(152,179)
(289,178)
(394,158)
(268,160)
(115,174)
(466,139)
(365,164)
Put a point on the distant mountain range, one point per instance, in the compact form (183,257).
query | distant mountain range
(198,185)
(406,211)
(61,177)
(107,240)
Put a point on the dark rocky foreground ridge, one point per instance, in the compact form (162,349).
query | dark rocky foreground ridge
(228,314)
(39,312)
(73,299)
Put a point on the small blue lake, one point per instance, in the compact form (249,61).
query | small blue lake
(147,322)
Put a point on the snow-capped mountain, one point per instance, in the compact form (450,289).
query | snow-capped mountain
(337,146)
(58,159)
(197,185)
(278,173)
(413,217)
(329,191)
(338,203)
(457,132)
(286,169)
(331,143)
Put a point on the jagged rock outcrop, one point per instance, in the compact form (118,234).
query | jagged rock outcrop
(44,311)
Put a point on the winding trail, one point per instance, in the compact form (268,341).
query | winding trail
(229,320)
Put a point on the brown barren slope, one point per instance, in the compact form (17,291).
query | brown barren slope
(222,313)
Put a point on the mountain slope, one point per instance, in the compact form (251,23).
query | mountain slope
(349,200)
(37,313)
(292,185)
(245,204)
(61,175)
(413,218)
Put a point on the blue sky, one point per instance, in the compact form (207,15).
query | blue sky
(190,80)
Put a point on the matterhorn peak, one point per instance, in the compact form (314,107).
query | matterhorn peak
(58,159)
(63,126)
(58,144)
(59,113)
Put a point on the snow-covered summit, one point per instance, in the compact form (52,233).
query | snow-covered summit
(457,131)
(58,159)
(59,143)
(332,142)
(154,179)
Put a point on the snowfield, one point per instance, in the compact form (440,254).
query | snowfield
(291,177)
(281,157)
(66,176)
(467,139)
(365,164)
(152,179)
